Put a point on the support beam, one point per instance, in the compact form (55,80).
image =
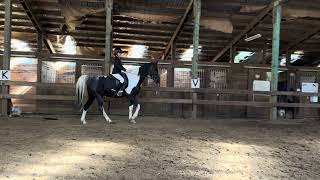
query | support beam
(39,66)
(196,31)
(39,51)
(78,70)
(39,43)
(173,51)
(249,27)
(37,25)
(39,70)
(108,46)
(288,58)
(195,58)
(304,37)
(170,83)
(7,52)
(264,53)
(288,65)
(178,29)
(232,54)
(170,75)
(275,56)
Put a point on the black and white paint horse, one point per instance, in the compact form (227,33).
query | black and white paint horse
(96,87)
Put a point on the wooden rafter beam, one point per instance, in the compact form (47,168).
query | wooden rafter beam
(37,25)
(305,37)
(178,29)
(249,27)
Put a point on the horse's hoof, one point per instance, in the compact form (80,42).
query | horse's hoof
(132,121)
(112,122)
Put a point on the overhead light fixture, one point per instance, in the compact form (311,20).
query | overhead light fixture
(299,52)
(248,39)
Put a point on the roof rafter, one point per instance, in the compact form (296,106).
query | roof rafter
(249,27)
(37,25)
(305,37)
(178,29)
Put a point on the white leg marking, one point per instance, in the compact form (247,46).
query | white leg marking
(130,112)
(83,117)
(106,116)
(135,115)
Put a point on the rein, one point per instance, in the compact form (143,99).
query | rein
(138,75)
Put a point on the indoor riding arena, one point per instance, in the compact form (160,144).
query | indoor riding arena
(211,89)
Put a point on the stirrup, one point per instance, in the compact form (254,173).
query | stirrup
(120,93)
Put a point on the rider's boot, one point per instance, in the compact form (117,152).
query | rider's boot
(124,86)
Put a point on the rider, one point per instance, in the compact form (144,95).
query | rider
(118,68)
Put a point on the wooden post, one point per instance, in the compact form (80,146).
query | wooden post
(7,51)
(232,54)
(170,83)
(170,75)
(197,14)
(288,65)
(264,53)
(194,106)
(39,50)
(39,67)
(78,70)
(108,50)
(39,43)
(275,56)
(173,51)
(288,58)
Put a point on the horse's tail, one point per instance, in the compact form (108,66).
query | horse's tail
(81,90)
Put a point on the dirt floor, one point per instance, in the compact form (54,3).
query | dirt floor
(158,148)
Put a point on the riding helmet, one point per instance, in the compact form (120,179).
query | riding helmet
(118,50)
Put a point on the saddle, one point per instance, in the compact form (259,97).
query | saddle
(121,86)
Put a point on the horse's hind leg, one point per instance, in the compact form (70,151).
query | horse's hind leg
(136,113)
(85,108)
(101,108)
(134,102)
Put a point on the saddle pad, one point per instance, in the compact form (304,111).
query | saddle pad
(132,80)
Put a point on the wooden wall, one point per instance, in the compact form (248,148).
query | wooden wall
(234,77)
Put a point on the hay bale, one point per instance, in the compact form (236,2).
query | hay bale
(293,13)
(74,10)
(217,24)
(151,17)
(288,12)
(251,8)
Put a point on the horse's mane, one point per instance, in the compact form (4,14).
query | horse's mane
(143,70)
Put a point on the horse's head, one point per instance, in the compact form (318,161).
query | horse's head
(154,73)
(151,70)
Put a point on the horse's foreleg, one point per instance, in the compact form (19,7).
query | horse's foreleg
(136,113)
(130,111)
(86,108)
(101,108)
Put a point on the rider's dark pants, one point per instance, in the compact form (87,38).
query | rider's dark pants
(125,82)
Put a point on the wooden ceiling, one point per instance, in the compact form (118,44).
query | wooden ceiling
(128,31)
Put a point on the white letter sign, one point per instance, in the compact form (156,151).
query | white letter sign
(5,75)
(195,83)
